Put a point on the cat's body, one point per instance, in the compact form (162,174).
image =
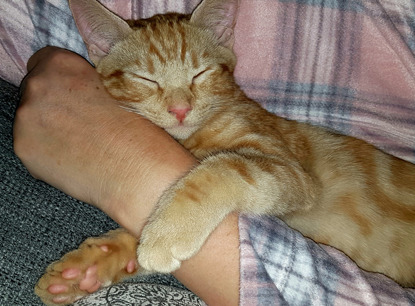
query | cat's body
(334,189)
(362,201)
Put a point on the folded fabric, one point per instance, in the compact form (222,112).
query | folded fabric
(280,266)
(347,65)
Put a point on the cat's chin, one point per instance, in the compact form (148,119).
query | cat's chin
(181,132)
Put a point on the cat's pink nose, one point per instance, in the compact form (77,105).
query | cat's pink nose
(180,112)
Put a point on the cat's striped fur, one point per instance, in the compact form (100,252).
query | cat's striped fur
(334,189)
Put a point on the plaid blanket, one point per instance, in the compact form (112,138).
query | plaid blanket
(279,266)
(347,65)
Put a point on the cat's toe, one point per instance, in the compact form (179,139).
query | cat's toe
(163,250)
(68,281)
(97,263)
(156,257)
(62,287)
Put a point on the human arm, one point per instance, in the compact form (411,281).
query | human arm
(71,134)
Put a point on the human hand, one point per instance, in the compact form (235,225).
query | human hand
(70,133)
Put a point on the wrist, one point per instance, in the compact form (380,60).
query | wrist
(151,161)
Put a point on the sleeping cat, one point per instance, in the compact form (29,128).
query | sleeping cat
(177,71)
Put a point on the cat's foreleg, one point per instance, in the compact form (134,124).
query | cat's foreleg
(191,209)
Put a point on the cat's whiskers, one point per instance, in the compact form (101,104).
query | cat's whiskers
(130,109)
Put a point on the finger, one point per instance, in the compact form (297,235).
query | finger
(40,55)
(33,62)
(38,63)
(22,88)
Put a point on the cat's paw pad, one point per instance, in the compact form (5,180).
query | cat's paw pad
(97,263)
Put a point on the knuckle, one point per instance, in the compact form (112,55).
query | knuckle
(23,114)
(19,133)
(21,150)
(33,84)
(67,60)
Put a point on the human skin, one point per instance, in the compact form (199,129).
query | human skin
(70,133)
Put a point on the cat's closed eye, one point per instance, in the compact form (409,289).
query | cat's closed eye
(144,80)
(201,76)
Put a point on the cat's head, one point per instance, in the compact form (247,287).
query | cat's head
(176,70)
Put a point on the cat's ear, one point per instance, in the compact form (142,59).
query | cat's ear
(99,27)
(219,16)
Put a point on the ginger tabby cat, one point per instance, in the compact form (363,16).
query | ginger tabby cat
(177,71)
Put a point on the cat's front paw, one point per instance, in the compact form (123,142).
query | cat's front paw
(98,262)
(163,248)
